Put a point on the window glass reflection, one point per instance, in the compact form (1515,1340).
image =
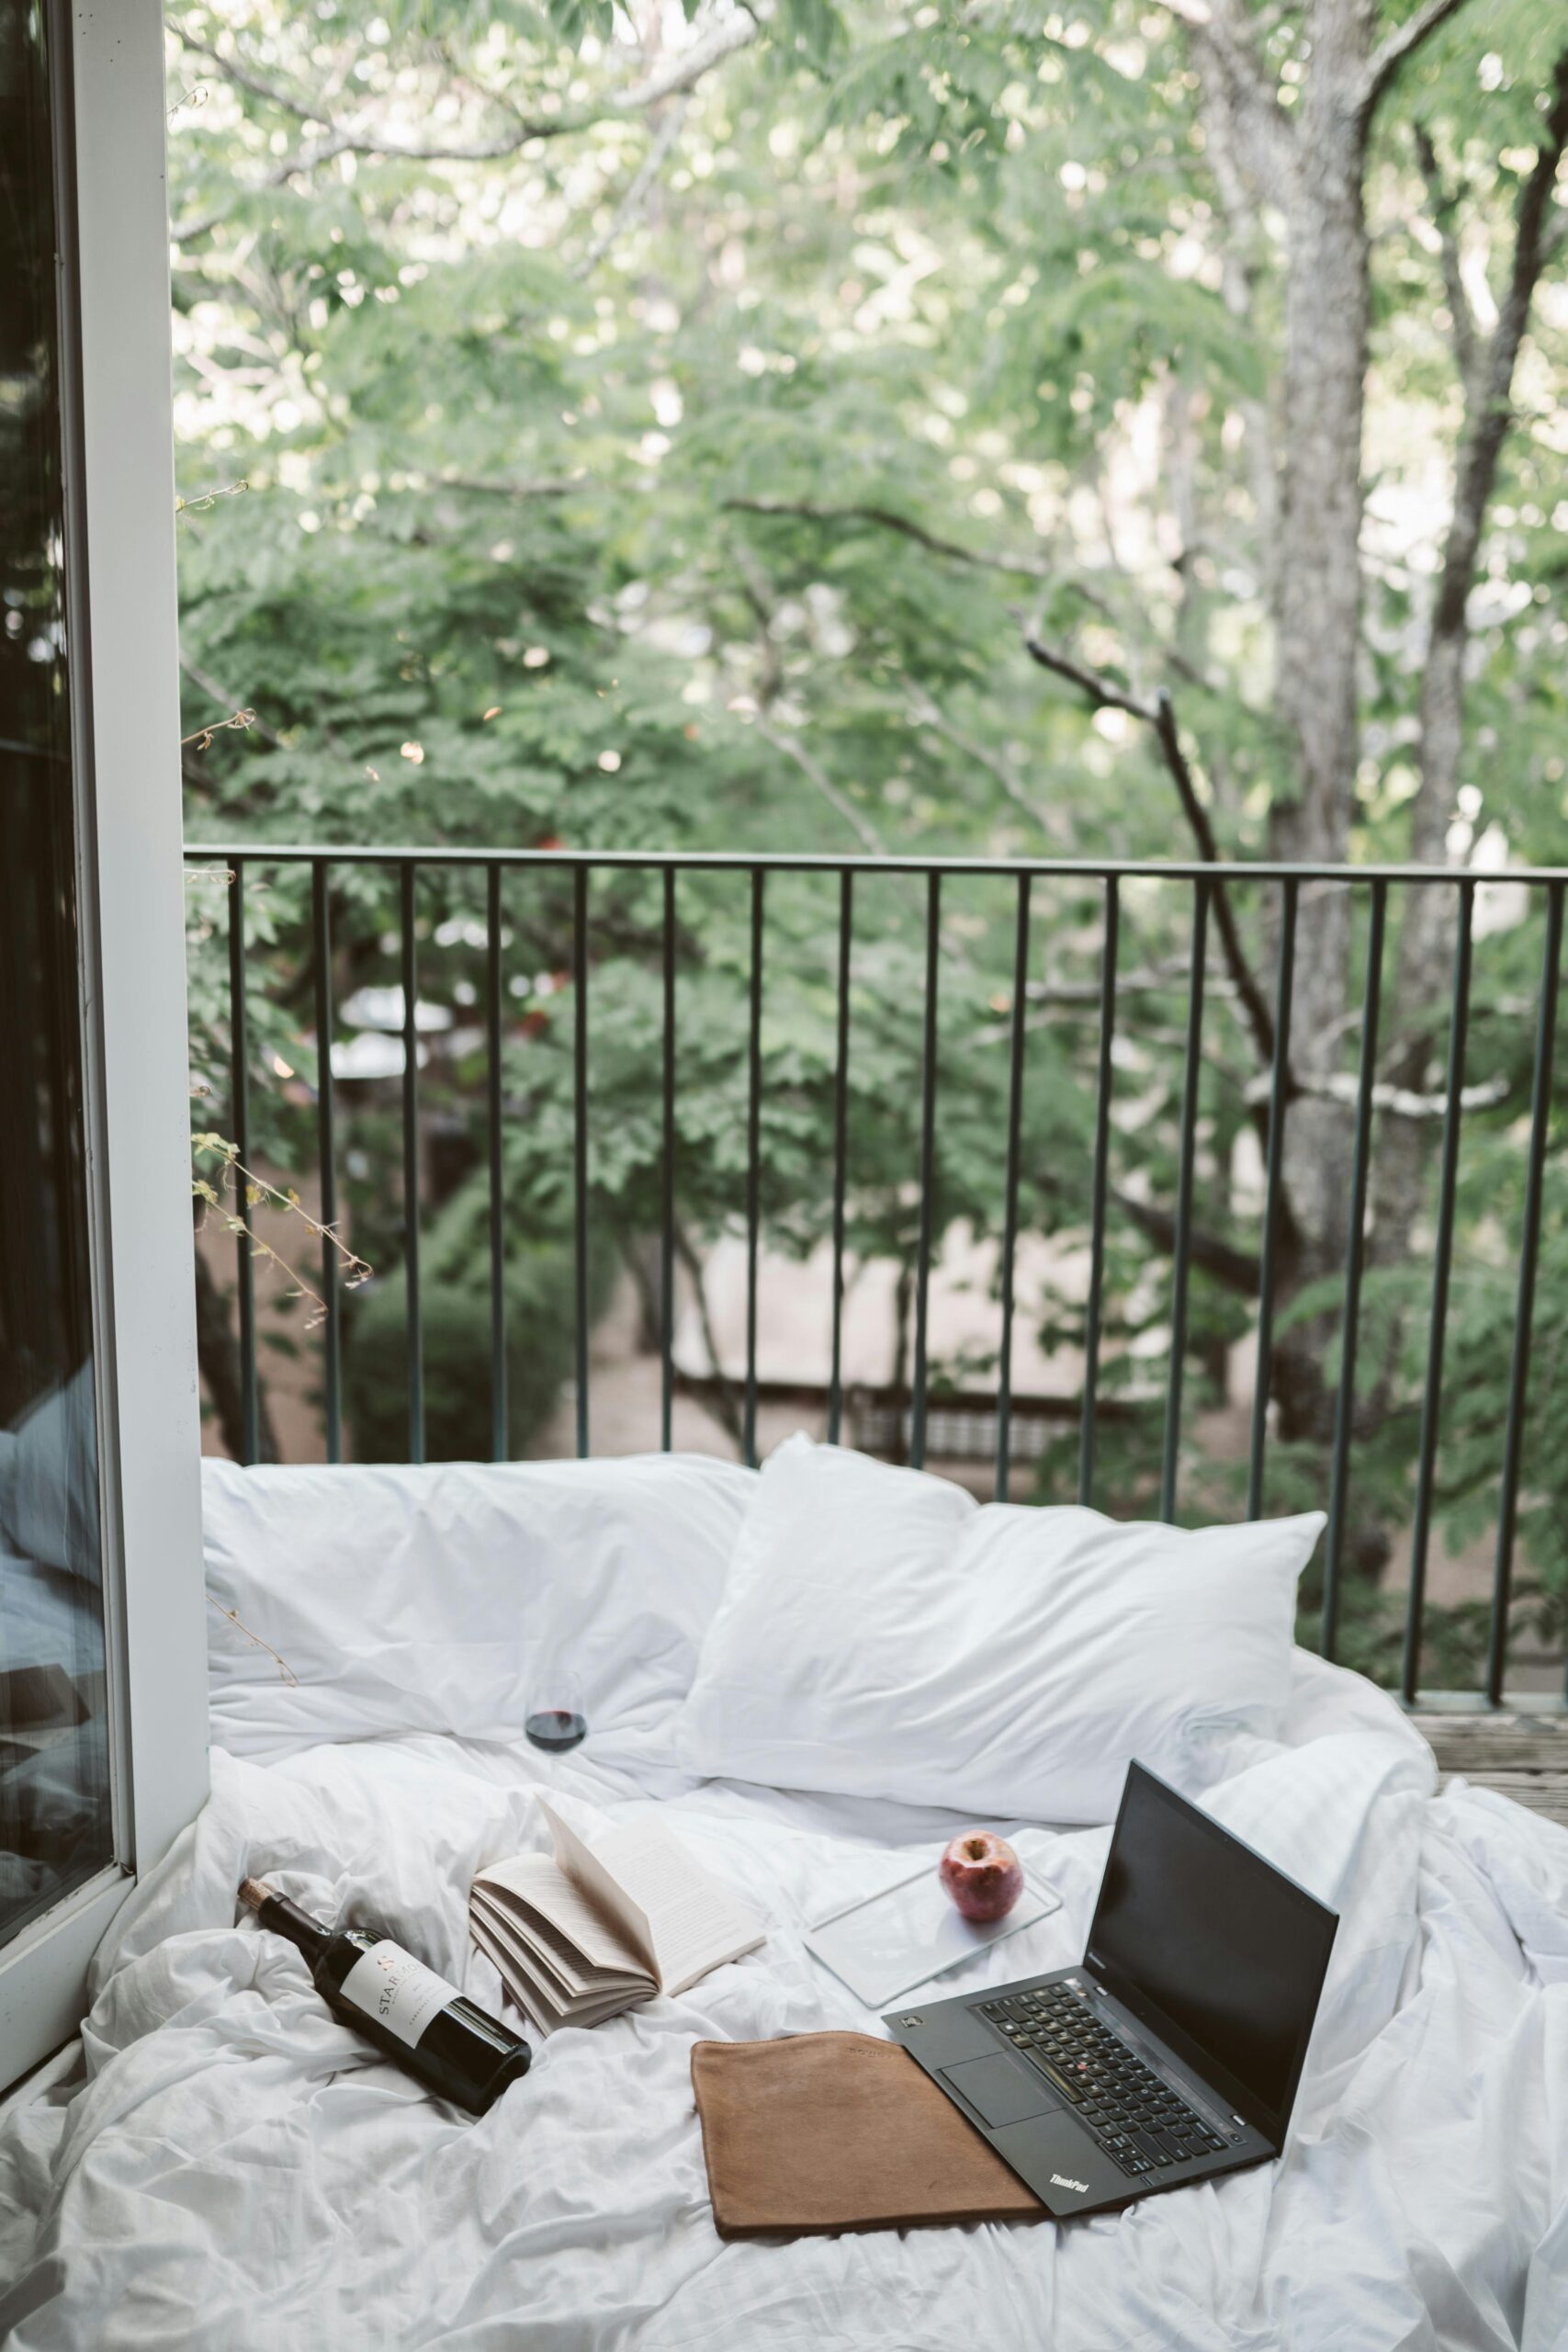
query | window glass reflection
(54,1789)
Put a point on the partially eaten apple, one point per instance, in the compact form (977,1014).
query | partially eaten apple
(982,1875)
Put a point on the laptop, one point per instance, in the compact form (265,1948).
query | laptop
(1173,2052)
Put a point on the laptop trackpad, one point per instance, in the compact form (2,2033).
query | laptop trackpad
(1001,2089)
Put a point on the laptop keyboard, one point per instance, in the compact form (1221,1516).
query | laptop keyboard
(1138,2119)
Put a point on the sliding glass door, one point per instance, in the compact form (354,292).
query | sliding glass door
(56,1816)
(102,1716)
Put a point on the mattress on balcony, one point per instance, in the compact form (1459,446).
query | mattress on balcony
(239,2170)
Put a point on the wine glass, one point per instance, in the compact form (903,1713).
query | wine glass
(555,1720)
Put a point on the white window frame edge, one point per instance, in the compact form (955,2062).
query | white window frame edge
(109,64)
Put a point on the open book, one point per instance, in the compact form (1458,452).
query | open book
(601,1928)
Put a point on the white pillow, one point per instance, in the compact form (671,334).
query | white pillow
(882,1635)
(453,1598)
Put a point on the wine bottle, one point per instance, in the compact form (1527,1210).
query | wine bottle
(448,2042)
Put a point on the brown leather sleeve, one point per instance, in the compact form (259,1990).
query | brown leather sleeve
(840,2131)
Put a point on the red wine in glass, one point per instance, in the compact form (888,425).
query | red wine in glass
(556,1728)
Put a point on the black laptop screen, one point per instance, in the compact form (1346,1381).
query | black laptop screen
(1221,1943)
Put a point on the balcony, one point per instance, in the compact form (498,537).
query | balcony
(646,1150)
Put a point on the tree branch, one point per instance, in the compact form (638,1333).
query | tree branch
(210,687)
(643,183)
(1404,42)
(1232,1267)
(1258,127)
(793,749)
(1398,1101)
(1161,717)
(1488,414)
(926,713)
(1020,567)
(679,72)
(725,1397)
(497,486)
(1491,390)
(1443,206)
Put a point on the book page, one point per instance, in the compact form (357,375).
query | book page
(695,1922)
(526,1931)
(602,1886)
(571,1906)
(527,1990)
(534,1987)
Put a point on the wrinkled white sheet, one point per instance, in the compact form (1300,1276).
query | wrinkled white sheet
(240,2171)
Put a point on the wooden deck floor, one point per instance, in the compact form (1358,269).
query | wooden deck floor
(1522,1757)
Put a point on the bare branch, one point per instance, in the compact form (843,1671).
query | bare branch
(725,1398)
(1161,717)
(1102,694)
(1489,391)
(497,486)
(1491,388)
(234,69)
(924,712)
(1020,567)
(1443,207)
(1404,42)
(685,68)
(1399,1101)
(210,687)
(643,183)
(679,72)
(793,749)
(308,158)
(1232,1267)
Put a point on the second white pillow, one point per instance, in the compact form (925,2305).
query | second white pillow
(883,1634)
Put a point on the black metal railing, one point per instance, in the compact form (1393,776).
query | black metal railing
(1208,887)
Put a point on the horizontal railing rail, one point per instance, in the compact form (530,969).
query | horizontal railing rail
(1208,887)
(717,861)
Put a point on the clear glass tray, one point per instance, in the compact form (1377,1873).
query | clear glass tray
(887,1943)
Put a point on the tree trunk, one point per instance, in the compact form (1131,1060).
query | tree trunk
(1316,581)
(217,1356)
(1427,938)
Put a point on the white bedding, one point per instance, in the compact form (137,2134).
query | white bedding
(239,2170)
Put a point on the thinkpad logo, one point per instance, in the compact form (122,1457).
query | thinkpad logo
(1060,2180)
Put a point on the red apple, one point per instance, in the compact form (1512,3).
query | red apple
(982,1875)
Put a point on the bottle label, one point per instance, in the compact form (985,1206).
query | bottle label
(389,1984)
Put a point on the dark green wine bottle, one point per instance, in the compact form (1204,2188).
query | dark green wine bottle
(447,2042)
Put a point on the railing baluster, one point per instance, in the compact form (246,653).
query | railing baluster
(667,1174)
(1088,1430)
(240,1112)
(326,1154)
(499,1444)
(1354,1252)
(1431,1396)
(1184,1197)
(753,1164)
(411,1168)
(841,1156)
(1529,1244)
(1010,1214)
(579,1140)
(1278,1088)
(928,1173)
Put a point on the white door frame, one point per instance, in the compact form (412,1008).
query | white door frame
(124,666)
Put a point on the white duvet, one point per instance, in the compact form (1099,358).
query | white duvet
(239,2170)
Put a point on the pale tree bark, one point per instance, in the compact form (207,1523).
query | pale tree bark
(1309,165)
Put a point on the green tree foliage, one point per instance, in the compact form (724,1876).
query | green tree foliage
(606,431)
